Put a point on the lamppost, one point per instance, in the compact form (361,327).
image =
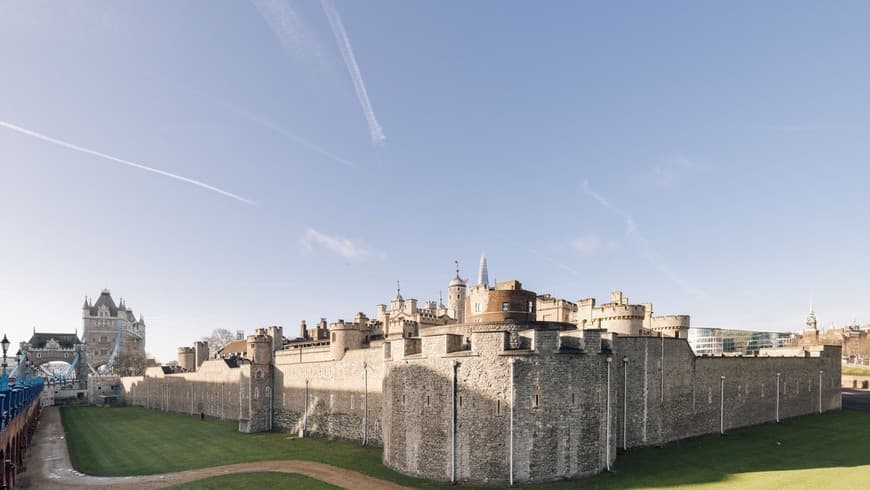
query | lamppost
(19,360)
(4,377)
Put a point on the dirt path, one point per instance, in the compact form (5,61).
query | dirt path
(48,466)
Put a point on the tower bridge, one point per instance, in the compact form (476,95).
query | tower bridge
(111,336)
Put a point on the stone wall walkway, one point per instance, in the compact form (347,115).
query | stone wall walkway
(48,466)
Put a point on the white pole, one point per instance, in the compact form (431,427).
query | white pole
(777,396)
(511,446)
(607,453)
(722,405)
(625,403)
(304,413)
(820,390)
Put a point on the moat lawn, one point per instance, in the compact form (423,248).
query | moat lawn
(832,450)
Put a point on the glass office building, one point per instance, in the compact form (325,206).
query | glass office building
(716,341)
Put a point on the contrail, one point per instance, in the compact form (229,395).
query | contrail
(631,230)
(560,265)
(287,25)
(295,137)
(88,151)
(377,133)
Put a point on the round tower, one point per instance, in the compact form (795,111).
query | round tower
(187,358)
(456,292)
(260,349)
(344,336)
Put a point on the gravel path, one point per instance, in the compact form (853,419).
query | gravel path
(48,466)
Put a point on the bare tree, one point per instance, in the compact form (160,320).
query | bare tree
(130,364)
(218,339)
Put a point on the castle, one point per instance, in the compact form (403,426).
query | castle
(499,386)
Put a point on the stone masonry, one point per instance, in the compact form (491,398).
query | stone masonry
(511,401)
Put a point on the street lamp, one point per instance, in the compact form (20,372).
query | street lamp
(19,360)
(4,377)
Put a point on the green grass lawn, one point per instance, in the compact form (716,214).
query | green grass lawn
(855,371)
(138,441)
(245,481)
(831,450)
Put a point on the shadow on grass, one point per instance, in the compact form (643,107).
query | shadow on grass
(137,441)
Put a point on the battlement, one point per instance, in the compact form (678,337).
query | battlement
(670,321)
(621,310)
(494,339)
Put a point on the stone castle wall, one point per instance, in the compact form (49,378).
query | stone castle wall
(445,409)
(215,390)
(343,396)
(672,395)
(552,405)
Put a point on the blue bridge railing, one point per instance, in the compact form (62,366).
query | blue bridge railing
(16,399)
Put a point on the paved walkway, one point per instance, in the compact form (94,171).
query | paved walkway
(48,466)
(856,400)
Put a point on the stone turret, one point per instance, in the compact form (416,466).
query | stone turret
(345,336)
(187,358)
(201,352)
(456,292)
(277,334)
(259,413)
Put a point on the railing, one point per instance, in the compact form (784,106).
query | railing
(17,399)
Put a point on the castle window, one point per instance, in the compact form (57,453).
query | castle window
(352,398)
(531,306)
(333,336)
(537,401)
(498,407)
(427,400)
(460,400)
(505,306)
(572,399)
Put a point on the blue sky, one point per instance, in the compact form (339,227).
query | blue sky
(709,158)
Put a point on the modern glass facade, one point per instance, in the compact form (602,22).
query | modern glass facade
(716,341)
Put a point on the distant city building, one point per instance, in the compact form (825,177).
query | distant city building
(855,339)
(717,341)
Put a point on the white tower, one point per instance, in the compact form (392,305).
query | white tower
(456,297)
(483,274)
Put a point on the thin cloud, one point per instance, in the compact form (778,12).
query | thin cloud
(671,169)
(341,246)
(105,156)
(288,26)
(558,264)
(377,133)
(295,137)
(588,244)
(632,231)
